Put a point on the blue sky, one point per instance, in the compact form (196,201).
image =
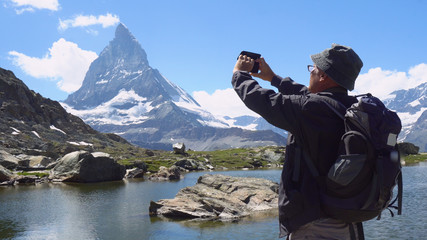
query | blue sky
(49,44)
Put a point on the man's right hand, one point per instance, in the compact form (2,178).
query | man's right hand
(265,71)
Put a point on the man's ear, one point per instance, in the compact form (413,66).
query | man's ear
(323,77)
(327,81)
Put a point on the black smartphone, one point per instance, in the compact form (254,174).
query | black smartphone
(254,56)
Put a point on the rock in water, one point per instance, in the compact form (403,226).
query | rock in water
(190,164)
(81,166)
(134,173)
(219,197)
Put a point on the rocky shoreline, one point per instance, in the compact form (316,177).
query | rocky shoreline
(86,167)
(214,197)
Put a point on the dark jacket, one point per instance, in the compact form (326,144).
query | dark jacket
(312,127)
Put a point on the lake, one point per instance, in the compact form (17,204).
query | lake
(119,210)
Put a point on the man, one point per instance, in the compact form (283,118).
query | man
(314,131)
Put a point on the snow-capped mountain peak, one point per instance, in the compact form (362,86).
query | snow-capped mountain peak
(122,94)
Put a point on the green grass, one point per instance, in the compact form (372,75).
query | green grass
(230,158)
(236,158)
(38,174)
(414,159)
(154,165)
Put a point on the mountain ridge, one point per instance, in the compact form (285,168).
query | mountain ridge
(122,93)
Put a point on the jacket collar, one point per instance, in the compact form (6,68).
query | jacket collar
(336,90)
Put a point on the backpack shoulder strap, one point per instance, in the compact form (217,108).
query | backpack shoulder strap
(335,110)
(310,164)
(303,153)
(342,106)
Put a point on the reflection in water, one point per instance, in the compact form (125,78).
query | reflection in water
(51,210)
(209,223)
(9,229)
(119,210)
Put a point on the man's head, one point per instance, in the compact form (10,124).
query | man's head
(340,63)
(319,80)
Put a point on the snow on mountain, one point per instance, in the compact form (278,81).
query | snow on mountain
(124,109)
(122,94)
(128,108)
(408,120)
(254,124)
(411,106)
(245,122)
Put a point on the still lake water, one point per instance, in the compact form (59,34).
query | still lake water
(119,210)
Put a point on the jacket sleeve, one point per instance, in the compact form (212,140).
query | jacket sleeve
(287,86)
(279,109)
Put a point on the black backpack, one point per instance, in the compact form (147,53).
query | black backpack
(359,185)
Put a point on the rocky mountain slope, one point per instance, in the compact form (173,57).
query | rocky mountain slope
(122,94)
(33,125)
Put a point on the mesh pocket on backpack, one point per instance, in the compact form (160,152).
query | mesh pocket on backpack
(346,168)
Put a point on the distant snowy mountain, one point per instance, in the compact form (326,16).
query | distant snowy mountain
(254,123)
(122,94)
(411,106)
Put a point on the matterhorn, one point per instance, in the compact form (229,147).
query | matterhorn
(123,94)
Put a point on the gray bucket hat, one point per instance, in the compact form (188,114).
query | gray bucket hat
(340,63)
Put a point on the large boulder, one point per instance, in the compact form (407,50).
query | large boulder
(134,173)
(274,155)
(8,161)
(190,164)
(406,148)
(82,166)
(140,165)
(5,174)
(179,148)
(164,174)
(219,197)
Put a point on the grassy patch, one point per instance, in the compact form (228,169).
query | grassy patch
(154,165)
(414,159)
(236,158)
(160,158)
(38,174)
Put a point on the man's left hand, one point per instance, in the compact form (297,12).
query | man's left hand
(244,63)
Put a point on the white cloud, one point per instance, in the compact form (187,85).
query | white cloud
(223,103)
(381,82)
(30,5)
(107,20)
(65,63)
